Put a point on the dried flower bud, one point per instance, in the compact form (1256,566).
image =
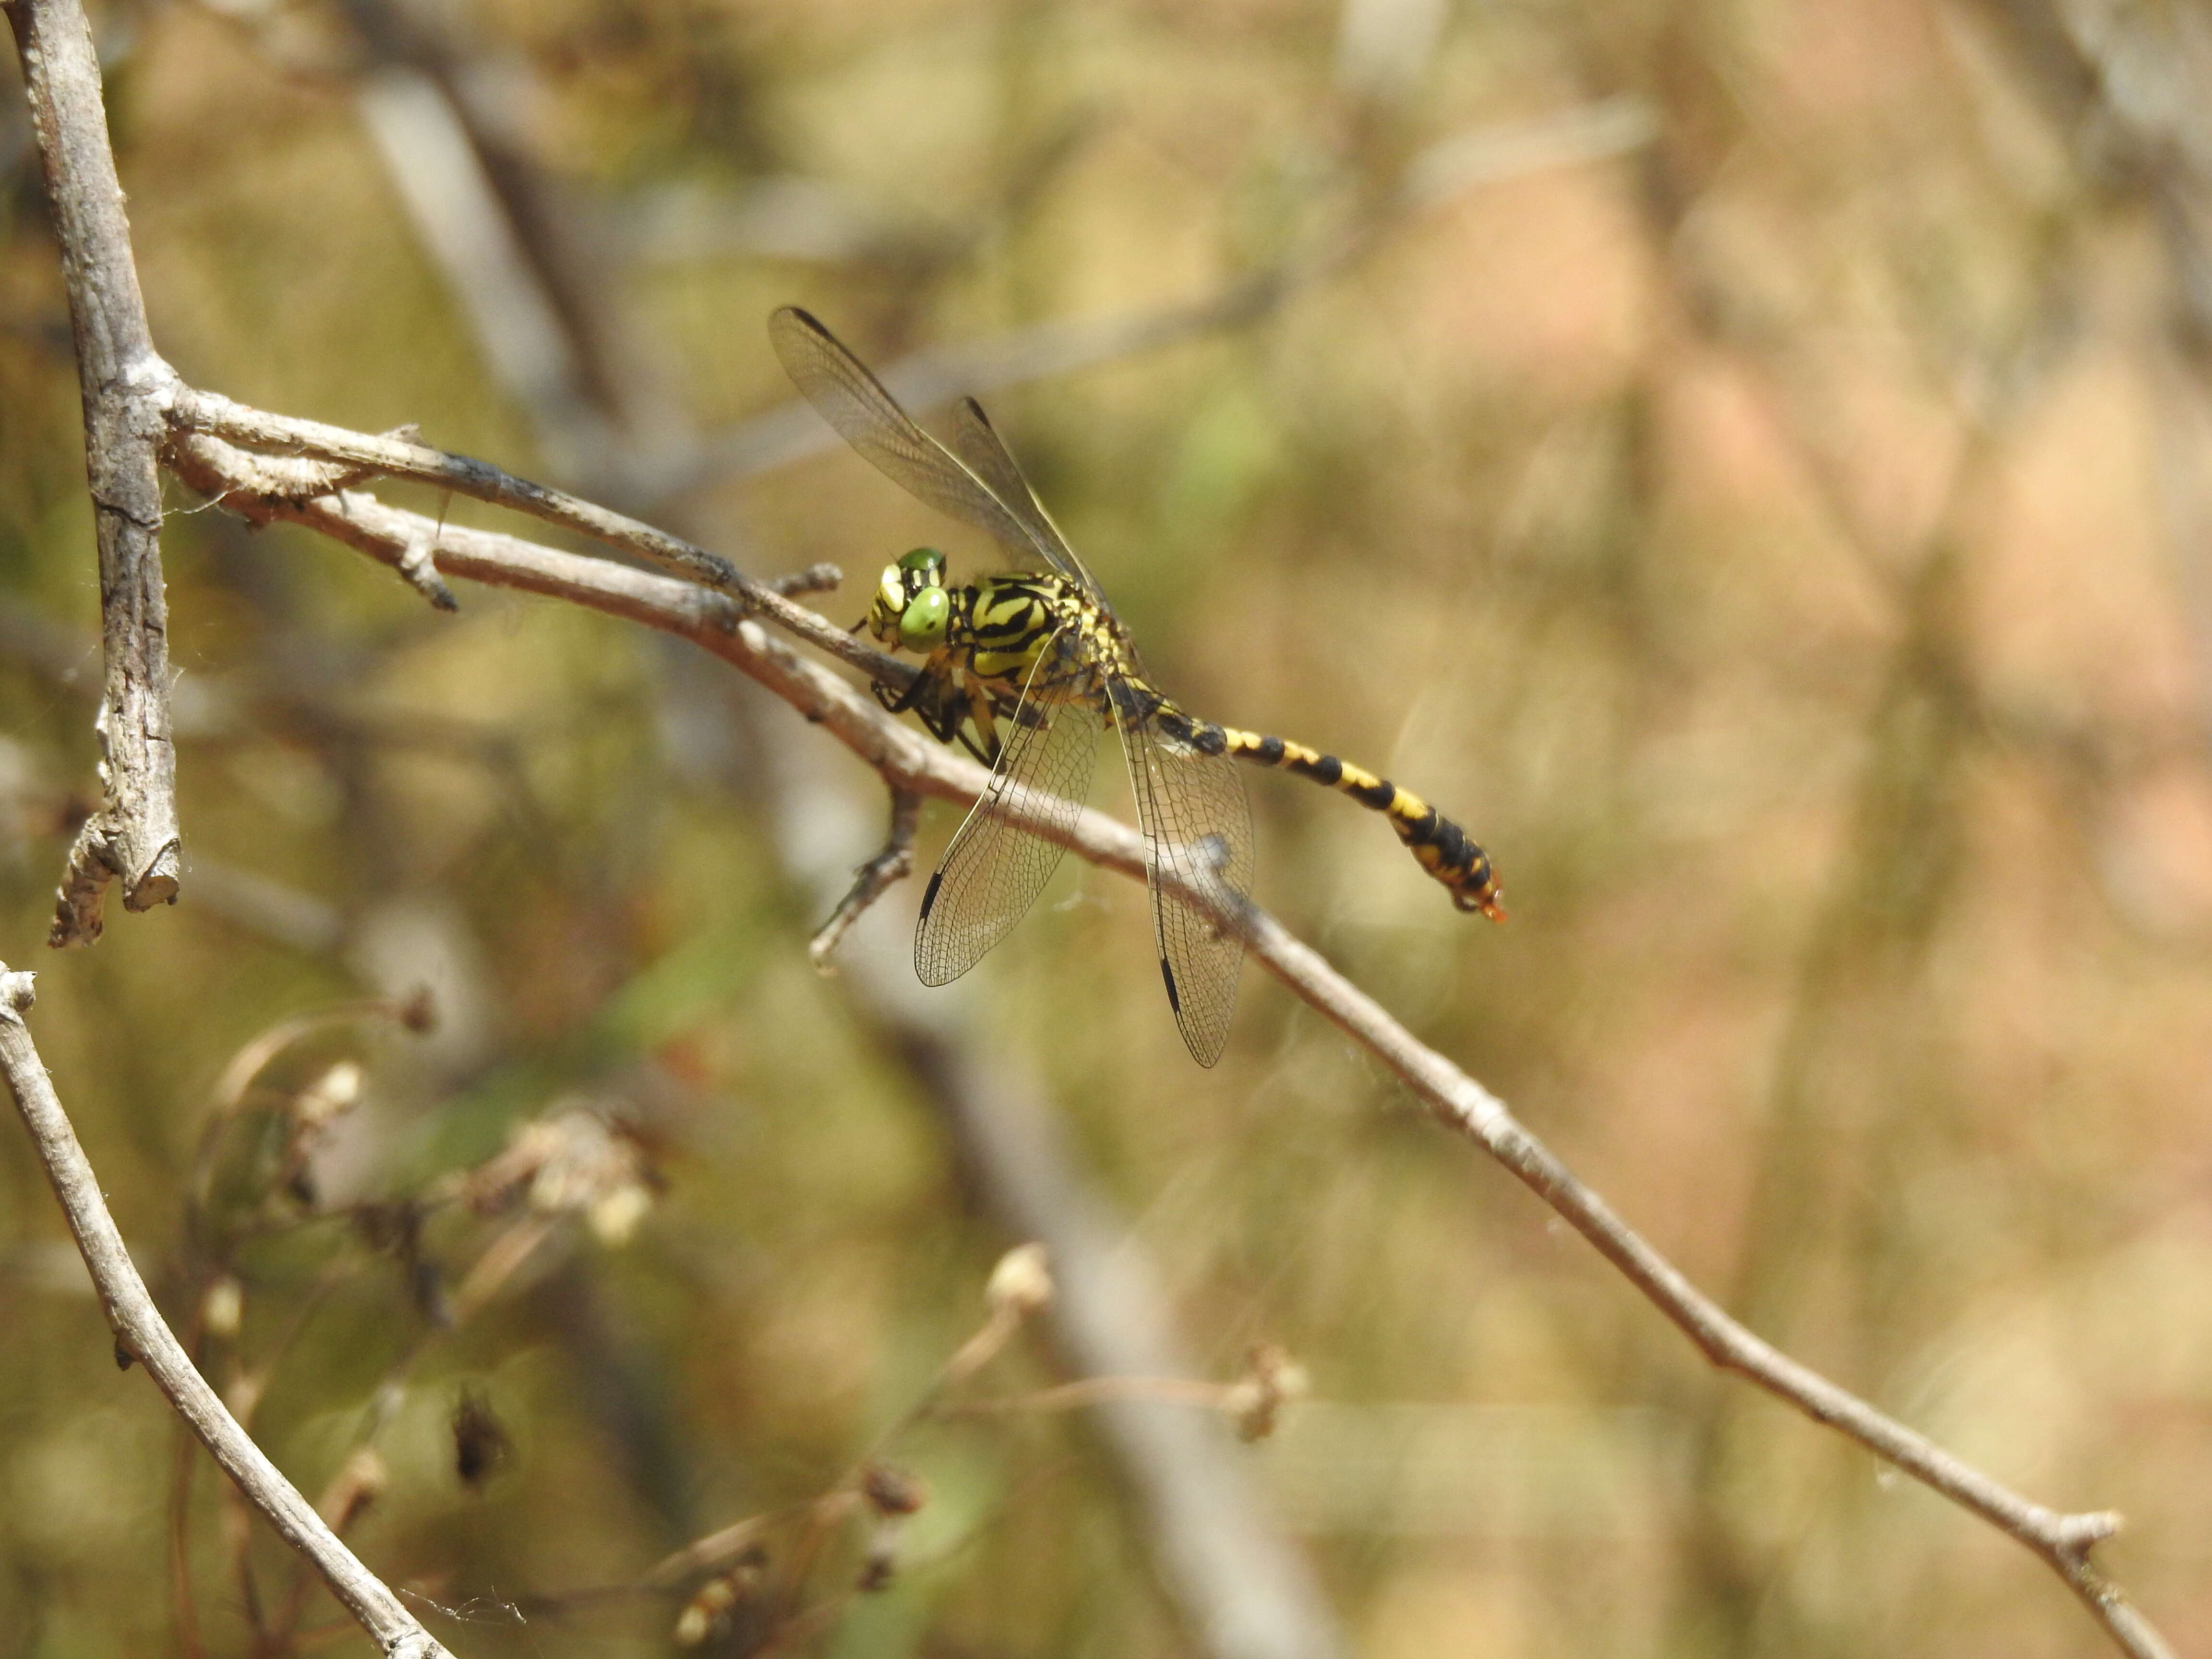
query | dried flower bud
(1021,1282)
(419,1013)
(573,1161)
(703,1611)
(1254,1402)
(223,1308)
(614,1217)
(480,1444)
(708,1609)
(312,1111)
(880,1565)
(337,1091)
(892,1492)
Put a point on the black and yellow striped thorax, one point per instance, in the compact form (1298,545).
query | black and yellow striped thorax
(1001,628)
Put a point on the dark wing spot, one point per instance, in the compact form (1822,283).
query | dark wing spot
(929,897)
(1175,1002)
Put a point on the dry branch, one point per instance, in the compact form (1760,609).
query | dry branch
(134,833)
(894,863)
(283,442)
(142,1334)
(909,764)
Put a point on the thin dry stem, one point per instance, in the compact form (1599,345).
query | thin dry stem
(711,1551)
(143,1334)
(815,578)
(894,863)
(1093,1390)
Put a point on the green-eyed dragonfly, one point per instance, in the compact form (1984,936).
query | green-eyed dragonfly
(1042,658)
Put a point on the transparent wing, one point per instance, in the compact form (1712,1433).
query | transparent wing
(996,865)
(1199,828)
(978,444)
(845,394)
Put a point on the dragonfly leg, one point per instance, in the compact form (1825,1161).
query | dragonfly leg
(899,702)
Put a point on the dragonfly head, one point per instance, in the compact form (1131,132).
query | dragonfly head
(911,607)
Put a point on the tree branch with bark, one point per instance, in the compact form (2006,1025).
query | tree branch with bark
(133,835)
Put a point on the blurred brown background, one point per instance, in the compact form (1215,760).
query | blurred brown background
(1751,463)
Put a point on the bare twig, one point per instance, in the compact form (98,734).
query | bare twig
(815,578)
(420,567)
(234,423)
(402,458)
(894,863)
(133,834)
(142,1334)
(2062,1541)
(724,1545)
(1092,1391)
(907,762)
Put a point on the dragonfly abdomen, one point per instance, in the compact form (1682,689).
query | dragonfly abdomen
(1443,849)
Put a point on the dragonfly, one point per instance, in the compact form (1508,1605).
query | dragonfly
(1025,670)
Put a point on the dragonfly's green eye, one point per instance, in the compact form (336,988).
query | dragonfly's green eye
(921,625)
(925,562)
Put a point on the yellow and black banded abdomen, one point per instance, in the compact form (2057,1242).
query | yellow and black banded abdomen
(1442,848)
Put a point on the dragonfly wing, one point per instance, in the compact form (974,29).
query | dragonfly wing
(977,443)
(1198,829)
(998,862)
(848,396)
